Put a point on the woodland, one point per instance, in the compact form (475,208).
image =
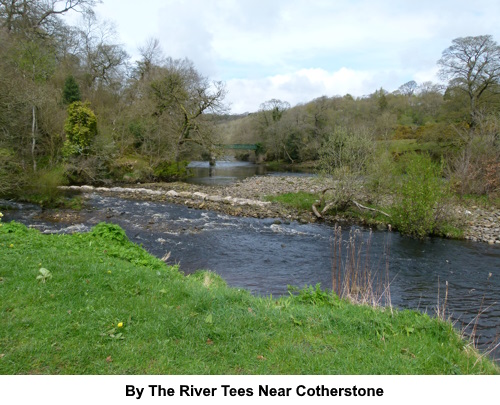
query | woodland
(75,109)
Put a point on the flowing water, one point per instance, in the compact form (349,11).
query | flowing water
(266,255)
(227,172)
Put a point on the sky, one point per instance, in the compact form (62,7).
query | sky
(298,50)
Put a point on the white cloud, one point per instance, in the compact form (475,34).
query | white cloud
(245,95)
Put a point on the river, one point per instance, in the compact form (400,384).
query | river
(265,256)
(228,171)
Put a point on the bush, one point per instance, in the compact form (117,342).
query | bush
(80,128)
(475,167)
(110,232)
(346,150)
(12,177)
(171,171)
(131,169)
(419,196)
(43,187)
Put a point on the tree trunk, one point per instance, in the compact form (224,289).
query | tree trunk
(33,137)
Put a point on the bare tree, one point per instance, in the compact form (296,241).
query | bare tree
(102,57)
(34,14)
(408,89)
(472,65)
(188,101)
(152,56)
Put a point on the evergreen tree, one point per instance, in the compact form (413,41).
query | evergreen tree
(71,91)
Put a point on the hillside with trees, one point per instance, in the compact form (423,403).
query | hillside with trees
(74,109)
(455,124)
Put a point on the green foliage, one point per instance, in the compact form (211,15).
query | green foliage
(171,171)
(12,177)
(71,91)
(44,275)
(419,195)
(133,168)
(43,187)
(80,129)
(380,173)
(115,242)
(300,200)
(346,150)
(261,149)
(313,295)
(110,232)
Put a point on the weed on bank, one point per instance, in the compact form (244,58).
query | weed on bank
(96,303)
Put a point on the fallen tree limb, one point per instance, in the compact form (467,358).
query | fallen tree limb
(315,209)
(368,208)
(331,204)
(327,207)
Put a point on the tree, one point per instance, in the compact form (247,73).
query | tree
(71,91)
(472,66)
(272,131)
(152,57)
(80,128)
(408,89)
(273,110)
(102,59)
(186,102)
(35,14)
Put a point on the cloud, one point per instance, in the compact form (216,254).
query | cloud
(296,50)
(246,95)
(304,85)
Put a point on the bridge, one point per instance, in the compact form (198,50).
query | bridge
(245,146)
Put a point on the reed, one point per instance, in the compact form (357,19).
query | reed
(354,276)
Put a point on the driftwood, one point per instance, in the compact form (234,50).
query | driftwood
(315,209)
(317,204)
(368,208)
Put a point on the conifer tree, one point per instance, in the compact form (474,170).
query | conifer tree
(71,91)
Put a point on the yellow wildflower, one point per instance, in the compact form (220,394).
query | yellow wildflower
(120,324)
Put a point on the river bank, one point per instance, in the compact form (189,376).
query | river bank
(100,297)
(248,198)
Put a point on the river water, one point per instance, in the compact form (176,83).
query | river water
(265,256)
(229,171)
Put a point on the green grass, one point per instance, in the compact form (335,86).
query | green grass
(483,201)
(300,200)
(105,306)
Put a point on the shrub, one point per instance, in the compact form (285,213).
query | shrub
(12,177)
(419,196)
(110,232)
(43,186)
(170,171)
(80,128)
(346,150)
(313,295)
(475,168)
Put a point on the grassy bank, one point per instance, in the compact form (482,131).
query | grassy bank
(97,304)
